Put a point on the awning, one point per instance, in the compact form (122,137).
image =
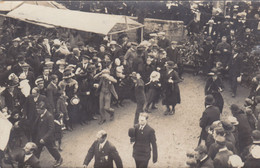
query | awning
(7,6)
(84,21)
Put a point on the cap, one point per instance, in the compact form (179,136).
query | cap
(161,34)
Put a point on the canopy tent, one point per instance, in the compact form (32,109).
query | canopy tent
(84,21)
(7,6)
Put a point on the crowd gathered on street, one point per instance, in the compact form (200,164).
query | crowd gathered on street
(53,80)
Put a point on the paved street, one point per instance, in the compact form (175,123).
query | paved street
(175,134)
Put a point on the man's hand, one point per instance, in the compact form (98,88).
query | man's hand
(88,93)
(42,141)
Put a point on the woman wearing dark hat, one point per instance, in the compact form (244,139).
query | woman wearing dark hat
(170,88)
(70,86)
(214,87)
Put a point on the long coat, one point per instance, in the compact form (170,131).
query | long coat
(212,87)
(210,115)
(171,90)
(52,95)
(244,130)
(44,128)
(103,158)
(143,141)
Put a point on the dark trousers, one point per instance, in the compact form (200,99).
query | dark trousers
(141,163)
(51,148)
(233,82)
(139,109)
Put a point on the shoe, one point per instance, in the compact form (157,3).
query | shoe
(172,112)
(94,118)
(112,116)
(102,122)
(58,162)
(233,95)
(60,149)
(154,107)
(110,110)
(166,112)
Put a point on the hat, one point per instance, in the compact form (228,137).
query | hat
(140,47)
(209,38)
(155,76)
(233,120)
(170,64)
(85,56)
(234,108)
(49,63)
(221,140)
(39,81)
(68,73)
(61,62)
(134,44)
(153,35)
(80,43)
(2,89)
(105,71)
(209,100)
(145,43)
(174,42)
(71,66)
(228,126)
(17,39)
(56,42)
(215,124)
(113,43)
(201,149)
(103,45)
(256,135)
(12,83)
(211,21)
(235,161)
(213,72)
(161,34)
(255,151)
(131,132)
(25,65)
(74,100)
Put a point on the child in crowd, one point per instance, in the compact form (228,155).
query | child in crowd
(62,108)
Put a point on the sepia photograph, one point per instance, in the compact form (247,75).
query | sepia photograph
(130,84)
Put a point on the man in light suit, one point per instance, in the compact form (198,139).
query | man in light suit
(107,89)
(104,151)
(143,136)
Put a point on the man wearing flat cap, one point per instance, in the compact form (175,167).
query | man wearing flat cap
(170,80)
(104,151)
(130,55)
(163,42)
(203,160)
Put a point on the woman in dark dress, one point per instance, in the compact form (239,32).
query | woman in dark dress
(170,87)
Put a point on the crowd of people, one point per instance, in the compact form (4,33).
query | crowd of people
(50,82)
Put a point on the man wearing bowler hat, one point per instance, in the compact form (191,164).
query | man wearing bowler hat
(170,88)
(143,137)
